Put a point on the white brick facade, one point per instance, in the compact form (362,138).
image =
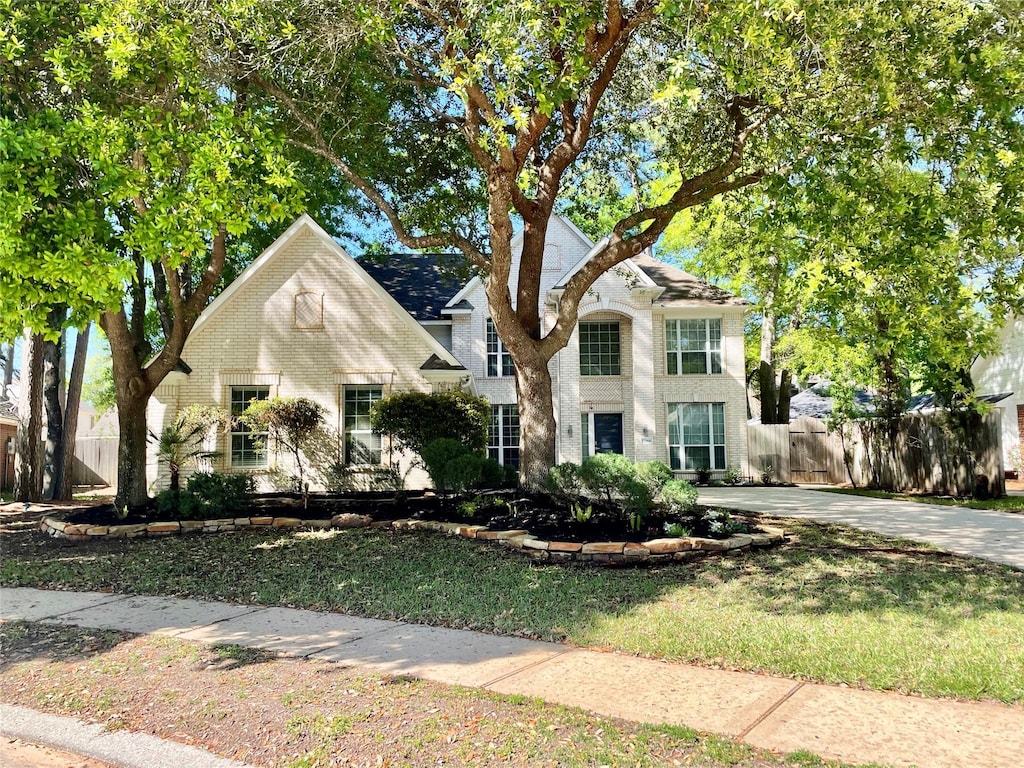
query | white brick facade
(251,335)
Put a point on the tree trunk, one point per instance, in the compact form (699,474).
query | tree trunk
(27,475)
(64,482)
(769,394)
(537,428)
(131,452)
(53,383)
(8,370)
(785,394)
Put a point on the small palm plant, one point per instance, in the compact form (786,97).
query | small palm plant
(181,444)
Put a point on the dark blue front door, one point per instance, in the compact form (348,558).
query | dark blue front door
(608,432)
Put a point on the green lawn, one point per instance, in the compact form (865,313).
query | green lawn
(1006,503)
(837,606)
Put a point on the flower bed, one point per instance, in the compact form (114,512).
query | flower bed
(520,540)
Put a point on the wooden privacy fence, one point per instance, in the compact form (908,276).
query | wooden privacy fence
(802,451)
(95,461)
(927,455)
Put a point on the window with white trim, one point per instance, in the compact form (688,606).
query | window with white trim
(696,436)
(499,362)
(248,448)
(600,349)
(503,435)
(362,444)
(693,346)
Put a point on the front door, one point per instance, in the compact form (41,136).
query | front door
(608,433)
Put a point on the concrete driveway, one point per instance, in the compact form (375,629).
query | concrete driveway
(997,536)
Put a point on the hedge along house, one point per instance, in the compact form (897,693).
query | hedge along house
(654,369)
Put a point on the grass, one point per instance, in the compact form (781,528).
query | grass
(126,682)
(1005,504)
(838,606)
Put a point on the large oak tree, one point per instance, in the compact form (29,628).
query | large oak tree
(537,92)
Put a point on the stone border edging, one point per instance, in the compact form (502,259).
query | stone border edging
(600,552)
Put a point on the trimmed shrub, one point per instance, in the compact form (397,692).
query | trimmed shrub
(178,503)
(495,475)
(654,474)
(219,492)
(679,496)
(606,473)
(414,419)
(442,458)
(565,482)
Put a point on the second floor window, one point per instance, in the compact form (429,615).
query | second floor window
(693,346)
(600,349)
(499,362)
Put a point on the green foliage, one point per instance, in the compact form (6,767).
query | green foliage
(582,514)
(414,419)
(181,444)
(607,473)
(451,465)
(221,492)
(127,141)
(98,386)
(564,481)
(619,480)
(171,503)
(654,474)
(676,529)
(678,496)
(493,474)
(291,422)
(719,524)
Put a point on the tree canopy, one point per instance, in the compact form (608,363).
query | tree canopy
(662,106)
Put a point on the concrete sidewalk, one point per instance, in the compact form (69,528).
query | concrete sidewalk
(990,534)
(774,713)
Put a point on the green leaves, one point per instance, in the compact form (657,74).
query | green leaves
(125,136)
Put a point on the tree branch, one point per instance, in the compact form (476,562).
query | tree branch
(321,148)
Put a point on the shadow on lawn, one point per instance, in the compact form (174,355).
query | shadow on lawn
(830,569)
(427,578)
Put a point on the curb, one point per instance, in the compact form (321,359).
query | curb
(124,749)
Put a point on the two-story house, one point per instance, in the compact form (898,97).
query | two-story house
(654,369)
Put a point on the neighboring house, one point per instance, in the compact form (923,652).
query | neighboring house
(8,439)
(654,369)
(1003,372)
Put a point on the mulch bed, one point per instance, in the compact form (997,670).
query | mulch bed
(542,515)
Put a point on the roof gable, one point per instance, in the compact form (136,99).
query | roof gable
(306,223)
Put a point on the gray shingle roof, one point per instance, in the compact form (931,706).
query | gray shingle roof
(421,283)
(682,287)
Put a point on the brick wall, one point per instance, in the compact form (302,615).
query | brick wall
(252,339)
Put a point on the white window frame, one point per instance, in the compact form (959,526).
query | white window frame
(618,345)
(346,431)
(238,403)
(718,459)
(496,353)
(711,347)
(500,431)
